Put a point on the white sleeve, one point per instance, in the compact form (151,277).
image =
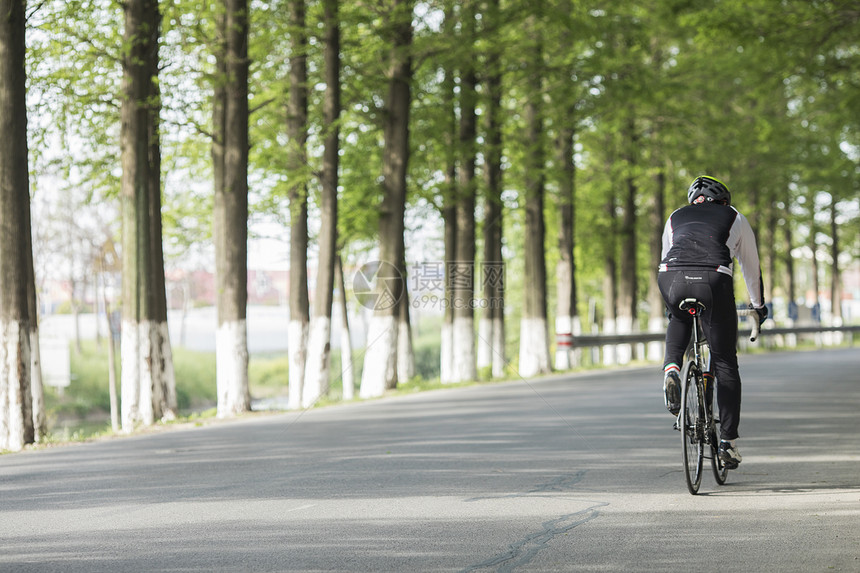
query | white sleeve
(667,239)
(742,245)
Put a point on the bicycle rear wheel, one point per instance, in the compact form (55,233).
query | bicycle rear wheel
(692,426)
(717,465)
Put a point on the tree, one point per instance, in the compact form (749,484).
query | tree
(346,363)
(448,199)
(463,267)
(230,217)
(380,363)
(162,403)
(147,378)
(491,329)
(297,126)
(567,321)
(627,284)
(534,342)
(16,262)
(317,372)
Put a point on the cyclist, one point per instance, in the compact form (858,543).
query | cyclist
(699,242)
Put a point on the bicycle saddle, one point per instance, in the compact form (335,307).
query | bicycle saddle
(691,305)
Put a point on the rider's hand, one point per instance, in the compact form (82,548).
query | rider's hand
(762,314)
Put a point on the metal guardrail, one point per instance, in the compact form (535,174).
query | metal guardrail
(590,340)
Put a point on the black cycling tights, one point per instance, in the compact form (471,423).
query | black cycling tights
(720,325)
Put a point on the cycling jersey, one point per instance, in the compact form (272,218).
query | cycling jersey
(708,236)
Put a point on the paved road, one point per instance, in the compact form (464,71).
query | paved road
(564,474)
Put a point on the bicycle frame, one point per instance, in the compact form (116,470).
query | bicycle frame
(699,350)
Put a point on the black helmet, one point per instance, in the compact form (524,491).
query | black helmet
(709,188)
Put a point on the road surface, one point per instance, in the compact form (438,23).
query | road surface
(568,473)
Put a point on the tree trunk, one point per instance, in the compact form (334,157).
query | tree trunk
(464,364)
(163,403)
(813,244)
(791,284)
(346,365)
(37,393)
(491,329)
(656,315)
(610,284)
(76,312)
(230,158)
(380,364)
(114,406)
(835,274)
(137,263)
(319,346)
(405,351)
(566,319)
(16,414)
(627,291)
(769,247)
(449,208)
(534,337)
(297,126)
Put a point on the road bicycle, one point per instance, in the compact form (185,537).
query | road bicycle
(700,428)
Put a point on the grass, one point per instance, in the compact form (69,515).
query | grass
(82,410)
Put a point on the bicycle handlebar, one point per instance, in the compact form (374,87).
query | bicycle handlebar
(756,327)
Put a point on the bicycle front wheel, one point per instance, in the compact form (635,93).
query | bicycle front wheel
(692,426)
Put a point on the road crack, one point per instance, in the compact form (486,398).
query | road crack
(524,550)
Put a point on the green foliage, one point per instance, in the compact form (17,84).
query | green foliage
(762,94)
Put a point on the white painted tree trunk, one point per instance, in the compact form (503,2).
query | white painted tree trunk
(563,332)
(316,366)
(609,349)
(624,325)
(231,365)
(790,339)
(15,364)
(500,362)
(114,402)
(485,343)
(464,350)
(655,349)
(297,333)
(838,337)
(157,380)
(346,364)
(166,378)
(347,371)
(405,353)
(577,331)
(37,392)
(130,375)
(149,356)
(379,360)
(446,354)
(534,347)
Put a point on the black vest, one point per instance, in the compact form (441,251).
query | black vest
(699,236)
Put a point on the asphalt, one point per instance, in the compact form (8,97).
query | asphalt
(566,473)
